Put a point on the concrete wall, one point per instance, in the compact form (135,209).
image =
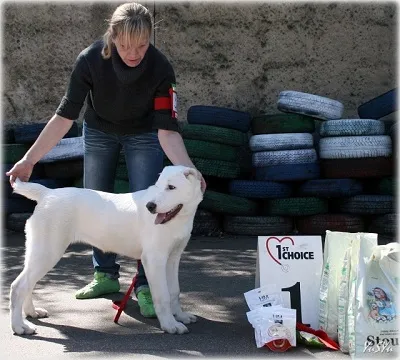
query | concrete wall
(236,55)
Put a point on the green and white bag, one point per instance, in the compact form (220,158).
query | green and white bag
(336,245)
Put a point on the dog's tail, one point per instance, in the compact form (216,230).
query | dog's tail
(30,190)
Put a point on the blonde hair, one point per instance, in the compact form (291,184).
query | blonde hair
(129,21)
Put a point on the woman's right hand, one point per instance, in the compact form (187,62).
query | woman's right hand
(22,170)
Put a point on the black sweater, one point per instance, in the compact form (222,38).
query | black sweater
(120,99)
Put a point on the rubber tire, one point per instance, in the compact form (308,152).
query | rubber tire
(384,224)
(387,186)
(71,169)
(219,116)
(295,206)
(122,172)
(318,224)
(18,205)
(379,106)
(218,168)
(210,150)
(121,186)
(366,204)
(352,127)
(28,133)
(14,152)
(315,106)
(282,123)
(274,142)
(330,188)
(284,157)
(357,168)
(17,221)
(214,134)
(227,204)
(78,183)
(344,147)
(206,223)
(8,136)
(292,172)
(258,225)
(65,150)
(259,189)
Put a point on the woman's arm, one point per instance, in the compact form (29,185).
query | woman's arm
(53,132)
(174,147)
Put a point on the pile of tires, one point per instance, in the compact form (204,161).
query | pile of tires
(283,154)
(58,168)
(359,148)
(216,140)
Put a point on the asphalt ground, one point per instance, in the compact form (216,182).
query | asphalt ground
(214,274)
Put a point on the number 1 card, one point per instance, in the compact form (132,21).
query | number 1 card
(294,264)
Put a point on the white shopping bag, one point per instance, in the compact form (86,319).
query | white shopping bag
(372,317)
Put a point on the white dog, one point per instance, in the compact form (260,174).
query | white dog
(153,225)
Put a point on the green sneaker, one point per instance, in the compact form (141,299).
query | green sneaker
(101,285)
(146,303)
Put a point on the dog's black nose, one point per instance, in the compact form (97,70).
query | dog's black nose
(151,207)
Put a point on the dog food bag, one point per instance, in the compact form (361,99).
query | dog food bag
(272,325)
(373,322)
(267,295)
(336,245)
(343,302)
(365,241)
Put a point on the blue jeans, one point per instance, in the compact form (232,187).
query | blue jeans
(144,160)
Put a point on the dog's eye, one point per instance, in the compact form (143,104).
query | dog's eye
(171,187)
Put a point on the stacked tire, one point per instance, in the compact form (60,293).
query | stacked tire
(58,168)
(216,139)
(283,154)
(353,152)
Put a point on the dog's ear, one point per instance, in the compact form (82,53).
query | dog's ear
(190,171)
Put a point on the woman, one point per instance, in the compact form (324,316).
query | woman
(128,87)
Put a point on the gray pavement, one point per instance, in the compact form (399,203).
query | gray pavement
(214,274)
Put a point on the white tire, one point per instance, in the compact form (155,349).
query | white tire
(349,127)
(270,158)
(343,147)
(264,142)
(311,105)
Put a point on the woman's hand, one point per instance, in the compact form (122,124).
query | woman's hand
(22,170)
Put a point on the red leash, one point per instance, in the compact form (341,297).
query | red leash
(120,305)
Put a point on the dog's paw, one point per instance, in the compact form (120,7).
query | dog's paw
(185,317)
(37,313)
(25,328)
(174,327)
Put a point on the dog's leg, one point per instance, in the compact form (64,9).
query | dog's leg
(173,285)
(40,257)
(155,268)
(32,311)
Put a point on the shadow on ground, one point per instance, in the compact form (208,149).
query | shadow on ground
(214,274)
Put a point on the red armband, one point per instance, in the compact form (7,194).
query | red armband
(162,103)
(167,102)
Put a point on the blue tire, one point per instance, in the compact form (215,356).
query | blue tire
(27,134)
(219,116)
(259,189)
(331,188)
(380,106)
(291,172)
